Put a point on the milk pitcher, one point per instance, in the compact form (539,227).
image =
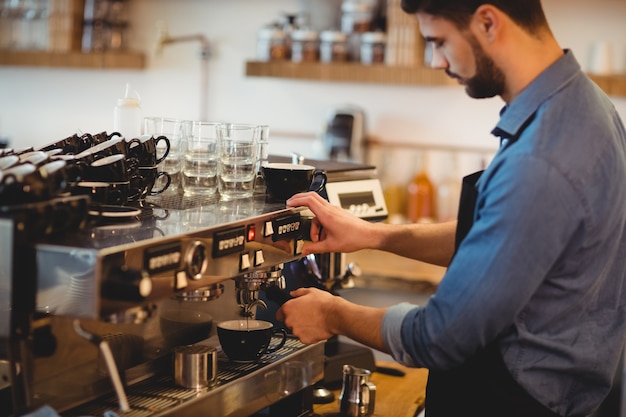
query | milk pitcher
(358,394)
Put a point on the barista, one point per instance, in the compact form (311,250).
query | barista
(529,319)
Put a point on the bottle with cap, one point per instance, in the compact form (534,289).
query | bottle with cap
(127,115)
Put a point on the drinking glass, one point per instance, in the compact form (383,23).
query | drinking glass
(200,160)
(176,131)
(238,160)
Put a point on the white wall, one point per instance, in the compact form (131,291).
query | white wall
(39,105)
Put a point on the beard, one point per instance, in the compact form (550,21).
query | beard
(489,79)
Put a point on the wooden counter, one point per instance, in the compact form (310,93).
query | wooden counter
(395,396)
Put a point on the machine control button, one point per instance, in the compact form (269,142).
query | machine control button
(258,258)
(269,229)
(180,280)
(244,263)
(299,246)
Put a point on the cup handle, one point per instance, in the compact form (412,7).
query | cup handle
(167,184)
(370,389)
(280,344)
(167,147)
(319,181)
(111,135)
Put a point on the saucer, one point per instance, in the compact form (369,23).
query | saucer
(114,212)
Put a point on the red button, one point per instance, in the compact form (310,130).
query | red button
(251,233)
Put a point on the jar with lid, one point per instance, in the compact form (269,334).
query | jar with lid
(304,45)
(272,44)
(373,48)
(333,46)
(356,16)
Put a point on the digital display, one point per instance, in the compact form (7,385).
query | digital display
(286,227)
(352,199)
(162,258)
(229,241)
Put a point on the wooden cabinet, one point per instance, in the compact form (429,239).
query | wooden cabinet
(73,59)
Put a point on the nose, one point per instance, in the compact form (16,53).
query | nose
(433,58)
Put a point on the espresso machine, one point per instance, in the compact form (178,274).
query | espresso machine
(93,306)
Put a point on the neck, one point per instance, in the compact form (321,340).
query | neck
(531,56)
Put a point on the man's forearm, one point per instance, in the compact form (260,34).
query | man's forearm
(432,243)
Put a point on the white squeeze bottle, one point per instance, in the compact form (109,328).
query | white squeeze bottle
(127,115)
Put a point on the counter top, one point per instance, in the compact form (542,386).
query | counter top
(395,396)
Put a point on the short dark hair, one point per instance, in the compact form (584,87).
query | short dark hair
(526,13)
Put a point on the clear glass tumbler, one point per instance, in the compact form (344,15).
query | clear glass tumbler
(239,151)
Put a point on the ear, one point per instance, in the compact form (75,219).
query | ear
(487,22)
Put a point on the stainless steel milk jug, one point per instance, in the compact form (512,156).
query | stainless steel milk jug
(358,394)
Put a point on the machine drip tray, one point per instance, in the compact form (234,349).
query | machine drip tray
(242,388)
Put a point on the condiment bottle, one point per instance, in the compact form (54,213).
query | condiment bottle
(372,48)
(421,197)
(272,44)
(333,46)
(449,192)
(127,115)
(304,46)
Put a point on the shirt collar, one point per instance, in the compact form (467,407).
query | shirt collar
(517,114)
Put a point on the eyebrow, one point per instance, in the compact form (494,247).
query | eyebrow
(430,38)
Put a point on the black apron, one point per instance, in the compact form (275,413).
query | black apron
(482,385)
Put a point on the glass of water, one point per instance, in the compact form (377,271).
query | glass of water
(238,160)
(177,132)
(201,159)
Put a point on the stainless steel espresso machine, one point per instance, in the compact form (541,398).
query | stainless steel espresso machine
(91,314)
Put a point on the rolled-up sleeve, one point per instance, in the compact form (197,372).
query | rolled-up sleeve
(392,332)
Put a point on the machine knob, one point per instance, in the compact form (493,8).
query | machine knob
(127,284)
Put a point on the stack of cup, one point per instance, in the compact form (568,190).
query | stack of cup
(144,150)
(177,132)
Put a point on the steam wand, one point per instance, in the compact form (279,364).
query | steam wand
(109,360)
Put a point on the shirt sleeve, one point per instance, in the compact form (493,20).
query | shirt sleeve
(392,332)
(525,215)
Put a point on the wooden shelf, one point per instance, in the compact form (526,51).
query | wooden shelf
(613,85)
(74,59)
(348,72)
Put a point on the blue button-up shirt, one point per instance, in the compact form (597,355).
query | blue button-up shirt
(542,269)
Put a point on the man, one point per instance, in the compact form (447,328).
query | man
(529,319)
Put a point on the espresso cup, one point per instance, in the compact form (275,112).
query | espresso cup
(114,193)
(113,168)
(103,137)
(72,144)
(284,180)
(8,161)
(142,184)
(113,146)
(247,340)
(144,148)
(22,184)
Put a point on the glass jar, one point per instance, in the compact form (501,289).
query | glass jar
(373,48)
(356,16)
(272,44)
(304,45)
(333,46)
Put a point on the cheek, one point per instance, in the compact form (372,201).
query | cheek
(462,62)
